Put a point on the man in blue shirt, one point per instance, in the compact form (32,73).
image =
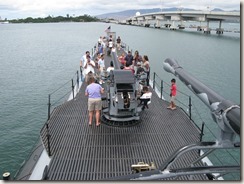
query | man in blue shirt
(129,58)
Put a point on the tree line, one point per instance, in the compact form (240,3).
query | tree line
(83,18)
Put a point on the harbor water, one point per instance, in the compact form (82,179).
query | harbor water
(36,59)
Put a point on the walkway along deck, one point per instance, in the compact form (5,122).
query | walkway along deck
(83,152)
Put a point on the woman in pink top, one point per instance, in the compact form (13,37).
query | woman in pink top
(128,67)
(122,59)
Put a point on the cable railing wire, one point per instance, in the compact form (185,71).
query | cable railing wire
(63,85)
(60,87)
(156,78)
(56,102)
(178,91)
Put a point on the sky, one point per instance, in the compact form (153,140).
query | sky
(14,9)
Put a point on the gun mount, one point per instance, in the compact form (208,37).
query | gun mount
(122,87)
(121,98)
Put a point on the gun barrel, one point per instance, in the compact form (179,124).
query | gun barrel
(213,100)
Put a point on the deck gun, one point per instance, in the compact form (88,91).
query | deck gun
(224,112)
(121,98)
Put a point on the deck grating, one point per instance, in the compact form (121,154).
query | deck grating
(81,152)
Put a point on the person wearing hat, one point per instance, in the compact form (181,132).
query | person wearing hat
(140,70)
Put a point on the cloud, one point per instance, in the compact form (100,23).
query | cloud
(37,8)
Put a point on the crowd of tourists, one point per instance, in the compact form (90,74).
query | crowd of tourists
(93,69)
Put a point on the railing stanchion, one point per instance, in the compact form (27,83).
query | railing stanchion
(73,89)
(48,134)
(190,107)
(49,107)
(81,75)
(48,140)
(77,75)
(154,76)
(202,129)
(161,92)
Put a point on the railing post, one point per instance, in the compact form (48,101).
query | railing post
(77,73)
(190,107)
(48,140)
(154,75)
(49,107)
(201,135)
(48,134)
(81,75)
(73,92)
(162,85)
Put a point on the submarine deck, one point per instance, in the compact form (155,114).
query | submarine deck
(83,152)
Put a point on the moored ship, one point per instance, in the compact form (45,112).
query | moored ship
(71,150)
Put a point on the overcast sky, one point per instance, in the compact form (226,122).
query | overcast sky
(12,9)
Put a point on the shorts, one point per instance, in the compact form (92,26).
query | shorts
(94,104)
(173,99)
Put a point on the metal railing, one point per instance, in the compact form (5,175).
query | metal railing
(70,87)
(161,85)
(205,131)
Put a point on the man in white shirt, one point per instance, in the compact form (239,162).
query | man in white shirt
(89,66)
(83,59)
(82,62)
(101,63)
(100,39)
(146,97)
(110,43)
(111,67)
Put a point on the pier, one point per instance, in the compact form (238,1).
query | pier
(179,16)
